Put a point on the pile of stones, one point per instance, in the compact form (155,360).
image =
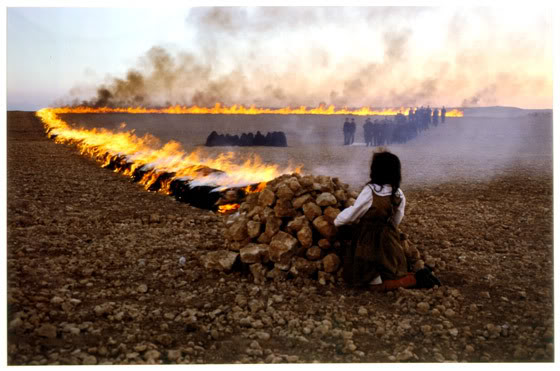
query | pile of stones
(287,230)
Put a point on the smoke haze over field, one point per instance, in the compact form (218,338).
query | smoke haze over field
(471,148)
(279,56)
(236,63)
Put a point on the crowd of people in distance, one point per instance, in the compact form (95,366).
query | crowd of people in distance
(399,130)
(274,139)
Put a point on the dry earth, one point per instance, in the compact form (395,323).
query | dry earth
(94,275)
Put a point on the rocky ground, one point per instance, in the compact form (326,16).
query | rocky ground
(95,276)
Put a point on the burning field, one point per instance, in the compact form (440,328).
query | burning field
(101,271)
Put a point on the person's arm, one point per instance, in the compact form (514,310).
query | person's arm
(399,214)
(356,211)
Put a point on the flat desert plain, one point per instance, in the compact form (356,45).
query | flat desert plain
(93,259)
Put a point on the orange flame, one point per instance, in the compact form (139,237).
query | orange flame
(218,109)
(224,209)
(105,145)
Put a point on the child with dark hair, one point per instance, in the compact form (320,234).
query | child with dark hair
(379,255)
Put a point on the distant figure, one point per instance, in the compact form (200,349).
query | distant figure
(378,132)
(211,141)
(346,131)
(435,117)
(259,140)
(352,131)
(276,139)
(400,118)
(443,111)
(368,132)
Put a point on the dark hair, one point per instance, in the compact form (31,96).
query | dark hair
(386,169)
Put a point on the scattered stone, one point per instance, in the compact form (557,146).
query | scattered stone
(15,323)
(423,307)
(221,260)
(89,360)
(331,263)
(449,312)
(313,253)
(143,288)
(173,354)
(47,330)
(263,335)
(152,355)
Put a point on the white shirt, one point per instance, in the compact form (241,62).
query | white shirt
(363,203)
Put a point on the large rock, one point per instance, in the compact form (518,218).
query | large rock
(297,223)
(282,248)
(253,228)
(284,209)
(311,210)
(325,226)
(303,267)
(305,236)
(253,253)
(313,253)
(326,199)
(324,243)
(326,184)
(284,192)
(238,230)
(221,260)
(259,272)
(254,212)
(306,181)
(331,263)
(47,330)
(252,198)
(331,212)
(298,202)
(267,197)
(349,202)
(340,195)
(264,238)
(294,185)
(237,245)
(272,227)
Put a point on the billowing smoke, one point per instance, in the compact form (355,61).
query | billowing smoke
(280,56)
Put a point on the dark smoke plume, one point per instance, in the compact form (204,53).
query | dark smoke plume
(485,96)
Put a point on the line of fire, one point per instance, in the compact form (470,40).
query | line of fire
(219,184)
(219,109)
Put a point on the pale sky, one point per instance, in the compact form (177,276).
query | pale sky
(353,56)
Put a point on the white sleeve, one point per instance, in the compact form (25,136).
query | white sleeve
(355,212)
(399,214)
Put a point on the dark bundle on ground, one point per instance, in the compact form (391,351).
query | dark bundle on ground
(274,139)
